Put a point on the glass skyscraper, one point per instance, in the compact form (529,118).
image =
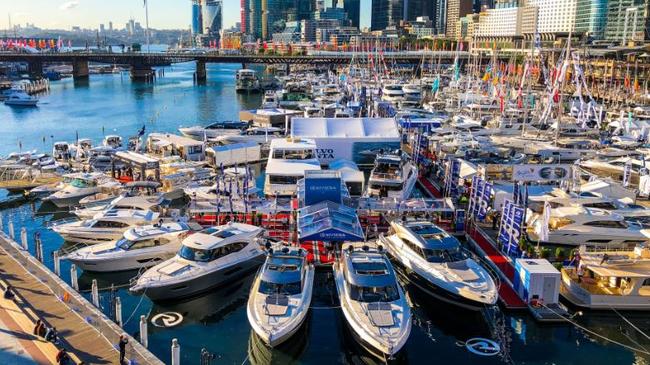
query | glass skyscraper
(197,17)
(591,17)
(386,13)
(627,20)
(212,18)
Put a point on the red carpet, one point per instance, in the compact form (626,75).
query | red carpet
(430,187)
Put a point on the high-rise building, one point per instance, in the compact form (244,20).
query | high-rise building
(386,13)
(110,27)
(440,19)
(456,9)
(197,17)
(554,16)
(628,20)
(353,8)
(591,17)
(101,28)
(212,18)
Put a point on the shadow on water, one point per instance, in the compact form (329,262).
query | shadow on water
(287,353)
(106,279)
(81,83)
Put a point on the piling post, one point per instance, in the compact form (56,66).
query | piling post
(143,331)
(73,277)
(23,238)
(176,352)
(118,311)
(57,263)
(95,293)
(11,229)
(2,228)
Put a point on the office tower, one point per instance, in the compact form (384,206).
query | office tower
(591,17)
(244,16)
(197,17)
(554,16)
(386,13)
(353,9)
(212,18)
(627,20)
(456,9)
(110,27)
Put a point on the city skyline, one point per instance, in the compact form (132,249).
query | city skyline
(175,14)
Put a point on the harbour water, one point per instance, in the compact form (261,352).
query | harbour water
(112,104)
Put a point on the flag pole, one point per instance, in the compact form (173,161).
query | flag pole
(146,15)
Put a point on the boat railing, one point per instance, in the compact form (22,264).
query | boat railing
(61,221)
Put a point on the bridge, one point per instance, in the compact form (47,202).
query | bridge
(142,63)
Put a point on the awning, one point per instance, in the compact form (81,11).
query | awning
(328,221)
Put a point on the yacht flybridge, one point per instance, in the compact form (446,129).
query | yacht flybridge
(288,160)
(281,295)
(104,226)
(372,300)
(436,263)
(393,176)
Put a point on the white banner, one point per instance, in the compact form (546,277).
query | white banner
(542,172)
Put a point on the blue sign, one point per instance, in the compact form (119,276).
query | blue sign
(322,189)
(512,220)
(452,178)
(332,234)
(459,220)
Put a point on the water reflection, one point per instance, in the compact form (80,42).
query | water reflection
(287,353)
(106,279)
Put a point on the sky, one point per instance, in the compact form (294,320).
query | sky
(163,14)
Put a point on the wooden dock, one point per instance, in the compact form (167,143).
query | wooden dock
(84,330)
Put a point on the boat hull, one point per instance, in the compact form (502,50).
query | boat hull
(121,263)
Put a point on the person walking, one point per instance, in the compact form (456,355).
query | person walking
(62,357)
(38,328)
(122,344)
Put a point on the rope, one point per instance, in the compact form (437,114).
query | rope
(597,334)
(135,309)
(630,323)
(245,360)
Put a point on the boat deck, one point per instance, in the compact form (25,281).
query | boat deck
(84,332)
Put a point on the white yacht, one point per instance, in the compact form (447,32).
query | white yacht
(141,203)
(214,130)
(254,134)
(270,100)
(372,300)
(20,98)
(393,176)
(233,177)
(105,226)
(412,92)
(79,185)
(392,93)
(112,141)
(246,81)
(288,160)
(609,280)
(615,168)
(575,226)
(435,262)
(281,295)
(139,247)
(205,260)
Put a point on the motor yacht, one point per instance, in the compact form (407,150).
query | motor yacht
(288,160)
(609,279)
(281,295)
(246,81)
(575,226)
(234,178)
(80,185)
(372,301)
(214,130)
(270,100)
(435,262)
(615,168)
(112,141)
(394,176)
(392,93)
(412,92)
(205,260)
(142,203)
(104,226)
(139,247)
(254,134)
(21,99)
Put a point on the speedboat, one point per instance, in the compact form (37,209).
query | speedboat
(104,226)
(136,203)
(372,300)
(20,98)
(281,295)
(214,130)
(436,263)
(393,176)
(78,186)
(206,260)
(139,247)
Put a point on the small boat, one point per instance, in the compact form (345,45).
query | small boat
(214,130)
(372,300)
(140,247)
(206,260)
(436,263)
(281,295)
(21,99)
(105,226)
(112,141)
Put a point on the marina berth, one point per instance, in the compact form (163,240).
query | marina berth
(280,297)
(436,263)
(205,260)
(372,300)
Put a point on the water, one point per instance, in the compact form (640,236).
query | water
(110,104)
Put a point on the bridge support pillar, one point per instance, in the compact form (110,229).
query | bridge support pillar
(142,73)
(288,68)
(35,68)
(201,73)
(244,66)
(80,69)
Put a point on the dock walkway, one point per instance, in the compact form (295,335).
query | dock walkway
(84,331)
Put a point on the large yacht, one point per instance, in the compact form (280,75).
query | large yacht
(609,280)
(104,226)
(281,295)
(372,300)
(20,98)
(205,260)
(140,202)
(393,176)
(247,82)
(138,248)
(79,185)
(288,160)
(435,262)
(393,93)
(214,130)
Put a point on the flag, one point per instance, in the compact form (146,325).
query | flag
(542,228)
(141,132)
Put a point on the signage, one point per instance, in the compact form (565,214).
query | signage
(482,346)
(541,172)
(512,220)
(167,319)
(319,189)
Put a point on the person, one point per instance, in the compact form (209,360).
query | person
(495,219)
(123,342)
(52,335)
(62,357)
(9,292)
(38,328)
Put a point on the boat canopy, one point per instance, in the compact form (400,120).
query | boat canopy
(328,221)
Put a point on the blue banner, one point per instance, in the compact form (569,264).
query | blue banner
(512,221)
(452,178)
(459,220)
(484,201)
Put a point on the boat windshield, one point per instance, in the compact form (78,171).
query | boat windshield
(195,254)
(124,244)
(269,288)
(80,183)
(444,255)
(369,294)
